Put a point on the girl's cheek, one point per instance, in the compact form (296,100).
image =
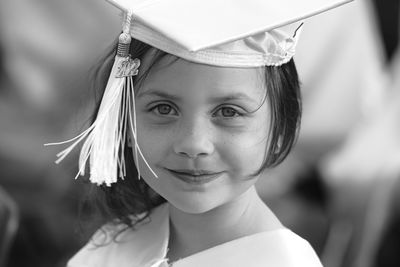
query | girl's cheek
(154,139)
(250,138)
(244,153)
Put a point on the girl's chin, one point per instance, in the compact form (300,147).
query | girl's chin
(194,206)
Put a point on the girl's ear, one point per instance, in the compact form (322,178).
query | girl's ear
(280,142)
(279,145)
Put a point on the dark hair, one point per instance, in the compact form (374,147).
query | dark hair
(123,201)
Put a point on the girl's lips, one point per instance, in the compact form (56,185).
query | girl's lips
(195,177)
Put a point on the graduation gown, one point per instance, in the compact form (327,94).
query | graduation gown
(147,247)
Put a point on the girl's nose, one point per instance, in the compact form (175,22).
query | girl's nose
(194,140)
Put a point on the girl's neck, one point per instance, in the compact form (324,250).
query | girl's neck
(243,216)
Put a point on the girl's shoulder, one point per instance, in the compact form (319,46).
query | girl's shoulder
(117,245)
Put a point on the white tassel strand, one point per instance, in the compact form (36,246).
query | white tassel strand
(106,137)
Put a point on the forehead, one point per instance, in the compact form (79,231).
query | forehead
(172,73)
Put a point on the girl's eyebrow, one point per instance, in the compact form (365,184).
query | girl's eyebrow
(217,99)
(231,97)
(159,94)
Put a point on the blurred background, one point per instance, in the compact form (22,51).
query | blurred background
(339,188)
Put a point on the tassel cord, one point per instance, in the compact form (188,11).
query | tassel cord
(132,123)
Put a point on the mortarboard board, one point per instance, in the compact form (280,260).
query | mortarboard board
(223,32)
(229,33)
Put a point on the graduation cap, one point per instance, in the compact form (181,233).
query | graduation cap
(227,33)
(223,32)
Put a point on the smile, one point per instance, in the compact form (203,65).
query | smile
(195,177)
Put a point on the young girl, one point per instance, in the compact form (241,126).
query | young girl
(207,100)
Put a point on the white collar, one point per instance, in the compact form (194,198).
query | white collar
(147,246)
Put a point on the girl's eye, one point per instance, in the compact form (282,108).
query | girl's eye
(227,112)
(164,109)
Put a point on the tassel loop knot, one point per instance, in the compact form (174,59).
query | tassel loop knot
(124,42)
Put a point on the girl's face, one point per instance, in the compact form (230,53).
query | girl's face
(203,130)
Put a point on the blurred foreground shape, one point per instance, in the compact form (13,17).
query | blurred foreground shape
(9,220)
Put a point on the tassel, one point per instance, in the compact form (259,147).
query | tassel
(106,137)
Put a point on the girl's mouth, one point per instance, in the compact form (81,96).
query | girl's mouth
(195,177)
